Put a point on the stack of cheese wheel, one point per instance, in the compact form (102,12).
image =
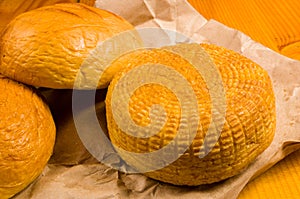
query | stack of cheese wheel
(47,47)
(44,47)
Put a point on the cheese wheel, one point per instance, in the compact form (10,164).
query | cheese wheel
(249,116)
(27,136)
(47,47)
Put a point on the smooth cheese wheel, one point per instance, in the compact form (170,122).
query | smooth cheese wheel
(27,136)
(46,47)
(249,119)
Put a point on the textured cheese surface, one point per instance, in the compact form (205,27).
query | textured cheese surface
(249,123)
(27,135)
(47,46)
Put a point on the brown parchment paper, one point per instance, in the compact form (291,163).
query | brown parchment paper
(73,173)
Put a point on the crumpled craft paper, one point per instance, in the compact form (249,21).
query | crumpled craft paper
(91,179)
